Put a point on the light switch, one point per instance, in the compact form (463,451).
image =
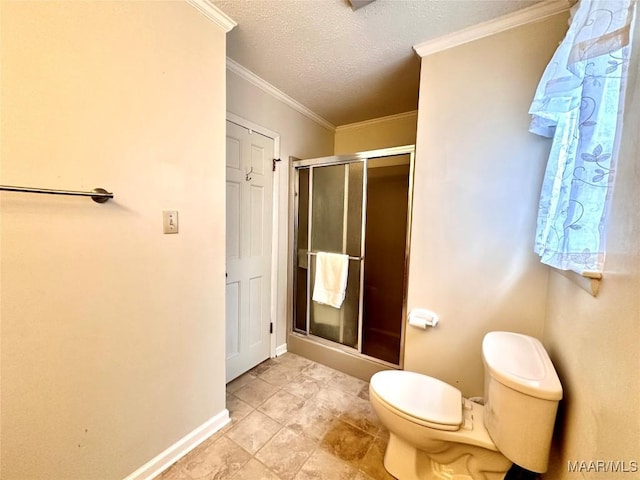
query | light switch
(170,221)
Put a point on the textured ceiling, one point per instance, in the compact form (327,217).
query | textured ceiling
(343,65)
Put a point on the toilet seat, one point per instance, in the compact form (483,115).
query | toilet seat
(419,398)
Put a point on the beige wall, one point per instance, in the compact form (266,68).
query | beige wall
(299,137)
(112,333)
(593,342)
(477,178)
(392,131)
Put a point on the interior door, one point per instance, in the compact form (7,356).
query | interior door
(248,248)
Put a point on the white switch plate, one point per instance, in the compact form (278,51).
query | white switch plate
(170,221)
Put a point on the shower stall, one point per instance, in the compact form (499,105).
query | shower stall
(358,205)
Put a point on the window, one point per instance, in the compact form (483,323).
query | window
(579,103)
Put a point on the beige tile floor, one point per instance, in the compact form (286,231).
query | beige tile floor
(292,419)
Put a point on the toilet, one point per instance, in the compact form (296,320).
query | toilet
(436,433)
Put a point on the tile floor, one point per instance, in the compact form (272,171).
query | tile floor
(292,419)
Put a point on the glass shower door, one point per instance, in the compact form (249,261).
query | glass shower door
(330,206)
(359,205)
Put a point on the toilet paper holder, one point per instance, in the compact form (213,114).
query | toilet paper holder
(423,318)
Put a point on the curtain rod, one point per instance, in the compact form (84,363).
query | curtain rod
(98,195)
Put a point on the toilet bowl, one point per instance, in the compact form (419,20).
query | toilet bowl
(436,433)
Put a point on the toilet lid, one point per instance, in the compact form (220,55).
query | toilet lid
(424,398)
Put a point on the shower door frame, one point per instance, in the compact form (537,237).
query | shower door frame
(359,157)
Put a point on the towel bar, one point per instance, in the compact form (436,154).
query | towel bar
(350,257)
(98,195)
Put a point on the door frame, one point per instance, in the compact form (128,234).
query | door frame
(275,234)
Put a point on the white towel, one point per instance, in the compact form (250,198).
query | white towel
(331,278)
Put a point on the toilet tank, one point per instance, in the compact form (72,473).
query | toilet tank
(522,391)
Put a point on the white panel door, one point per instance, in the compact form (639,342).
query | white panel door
(248,239)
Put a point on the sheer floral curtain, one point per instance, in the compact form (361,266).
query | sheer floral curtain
(579,104)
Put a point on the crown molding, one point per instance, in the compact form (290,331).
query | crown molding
(531,14)
(214,14)
(265,86)
(375,121)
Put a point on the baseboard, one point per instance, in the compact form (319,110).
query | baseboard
(175,452)
(281,349)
